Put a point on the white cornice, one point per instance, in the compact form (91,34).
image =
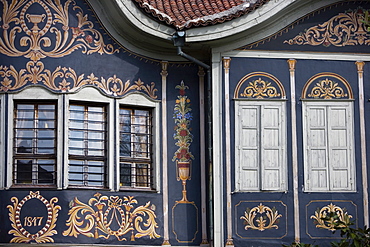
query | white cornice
(138,32)
(299,55)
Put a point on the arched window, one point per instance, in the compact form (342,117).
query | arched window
(328,134)
(260,133)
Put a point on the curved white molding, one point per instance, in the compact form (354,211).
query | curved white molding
(137,31)
(269,21)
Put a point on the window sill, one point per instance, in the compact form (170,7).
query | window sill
(32,186)
(138,189)
(87,187)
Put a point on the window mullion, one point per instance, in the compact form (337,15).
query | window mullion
(328,151)
(132,134)
(260,147)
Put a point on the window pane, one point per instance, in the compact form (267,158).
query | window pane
(94,125)
(74,124)
(76,146)
(46,124)
(37,171)
(25,111)
(96,148)
(24,133)
(46,146)
(125,145)
(141,146)
(24,146)
(125,174)
(46,172)
(93,135)
(76,168)
(25,123)
(96,173)
(23,171)
(142,175)
(46,111)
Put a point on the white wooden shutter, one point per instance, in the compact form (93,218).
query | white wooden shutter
(260,146)
(340,147)
(329,163)
(316,149)
(271,147)
(249,120)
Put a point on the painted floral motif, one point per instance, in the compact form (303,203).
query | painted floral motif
(183,116)
(344,29)
(53,24)
(44,235)
(105,216)
(322,213)
(261,218)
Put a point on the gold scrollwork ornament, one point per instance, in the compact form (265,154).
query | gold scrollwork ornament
(21,234)
(260,89)
(344,29)
(36,43)
(267,218)
(67,80)
(321,217)
(98,218)
(327,89)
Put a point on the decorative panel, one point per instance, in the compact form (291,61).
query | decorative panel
(259,85)
(39,31)
(30,225)
(111,216)
(343,29)
(316,210)
(261,219)
(327,86)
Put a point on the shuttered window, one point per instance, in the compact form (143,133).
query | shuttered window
(328,144)
(260,146)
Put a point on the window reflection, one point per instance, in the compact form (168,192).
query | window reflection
(34,143)
(135,147)
(87,145)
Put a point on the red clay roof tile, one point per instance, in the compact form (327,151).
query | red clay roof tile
(183,14)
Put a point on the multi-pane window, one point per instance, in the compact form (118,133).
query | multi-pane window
(260,146)
(34,159)
(135,148)
(87,145)
(328,146)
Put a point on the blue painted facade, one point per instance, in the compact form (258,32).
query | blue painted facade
(87,56)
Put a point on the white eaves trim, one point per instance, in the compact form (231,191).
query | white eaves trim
(299,55)
(267,20)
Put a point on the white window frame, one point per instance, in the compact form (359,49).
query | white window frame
(140,100)
(351,165)
(2,138)
(92,95)
(281,105)
(33,94)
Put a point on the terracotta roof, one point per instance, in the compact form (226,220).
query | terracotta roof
(183,14)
